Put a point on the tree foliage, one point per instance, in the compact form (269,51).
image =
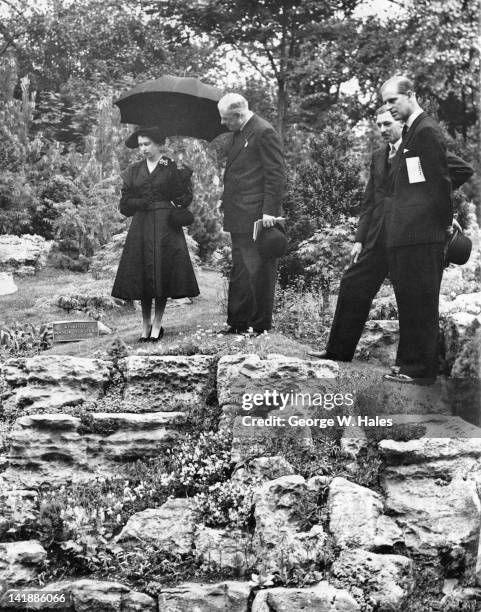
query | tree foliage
(268,33)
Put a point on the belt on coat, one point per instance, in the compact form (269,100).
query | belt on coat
(159,205)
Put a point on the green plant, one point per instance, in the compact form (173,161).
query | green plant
(301,312)
(25,339)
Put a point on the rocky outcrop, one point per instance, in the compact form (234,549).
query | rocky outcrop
(23,254)
(356,517)
(241,374)
(155,381)
(45,382)
(457,330)
(169,528)
(282,508)
(378,342)
(226,596)
(58,447)
(7,284)
(385,580)
(431,484)
(224,549)
(320,598)
(89,595)
(20,561)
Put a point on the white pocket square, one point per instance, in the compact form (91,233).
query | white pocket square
(406,151)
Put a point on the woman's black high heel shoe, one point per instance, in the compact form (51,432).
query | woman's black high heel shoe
(147,339)
(161,334)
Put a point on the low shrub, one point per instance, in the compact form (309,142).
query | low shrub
(301,312)
(24,339)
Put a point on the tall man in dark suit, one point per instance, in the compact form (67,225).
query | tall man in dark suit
(254,181)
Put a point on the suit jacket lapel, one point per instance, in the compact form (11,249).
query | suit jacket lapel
(404,145)
(240,141)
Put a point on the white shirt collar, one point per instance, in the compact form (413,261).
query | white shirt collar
(249,115)
(413,116)
(396,145)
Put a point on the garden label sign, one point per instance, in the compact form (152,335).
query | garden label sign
(72,331)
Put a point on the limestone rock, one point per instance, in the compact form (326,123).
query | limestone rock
(320,598)
(469,303)
(7,284)
(431,484)
(170,527)
(240,374)
(263,468)
(385,579)
(280,512)
(23,254)
(46,382)
(103,596)
(153,381)
(225,549)
(385,398)
(456,330)
(226,596)
(443,438)
(58,447)
(378,342)
(20,561)
(356,519)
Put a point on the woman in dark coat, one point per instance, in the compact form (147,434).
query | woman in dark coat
(155,262)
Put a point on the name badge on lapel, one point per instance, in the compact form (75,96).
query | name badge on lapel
(415,171)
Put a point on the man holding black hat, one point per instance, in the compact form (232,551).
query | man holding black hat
(254,181)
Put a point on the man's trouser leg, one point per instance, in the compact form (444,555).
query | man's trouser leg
(359,285)
(239,303)
(252,287)
(416,272)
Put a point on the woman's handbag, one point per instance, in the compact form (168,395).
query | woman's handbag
(180,216)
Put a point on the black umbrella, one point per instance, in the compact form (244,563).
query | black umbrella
(179,106)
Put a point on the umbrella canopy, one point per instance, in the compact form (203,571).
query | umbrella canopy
(179,106)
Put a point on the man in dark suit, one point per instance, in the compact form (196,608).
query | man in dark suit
(369,260)
(254,181)
(401,232)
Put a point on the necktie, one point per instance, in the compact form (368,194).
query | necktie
(392,153)
(405,130)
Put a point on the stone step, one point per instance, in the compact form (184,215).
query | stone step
(49,382)
(85,595)
(57,447)
(154,381)
(20,561)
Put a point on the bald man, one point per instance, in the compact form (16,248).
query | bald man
(254,182)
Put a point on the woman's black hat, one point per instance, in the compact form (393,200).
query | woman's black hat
(151,132)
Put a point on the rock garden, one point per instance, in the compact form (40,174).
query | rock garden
(131,480)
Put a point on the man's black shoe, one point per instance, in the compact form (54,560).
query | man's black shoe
(232,330)
(325,355)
